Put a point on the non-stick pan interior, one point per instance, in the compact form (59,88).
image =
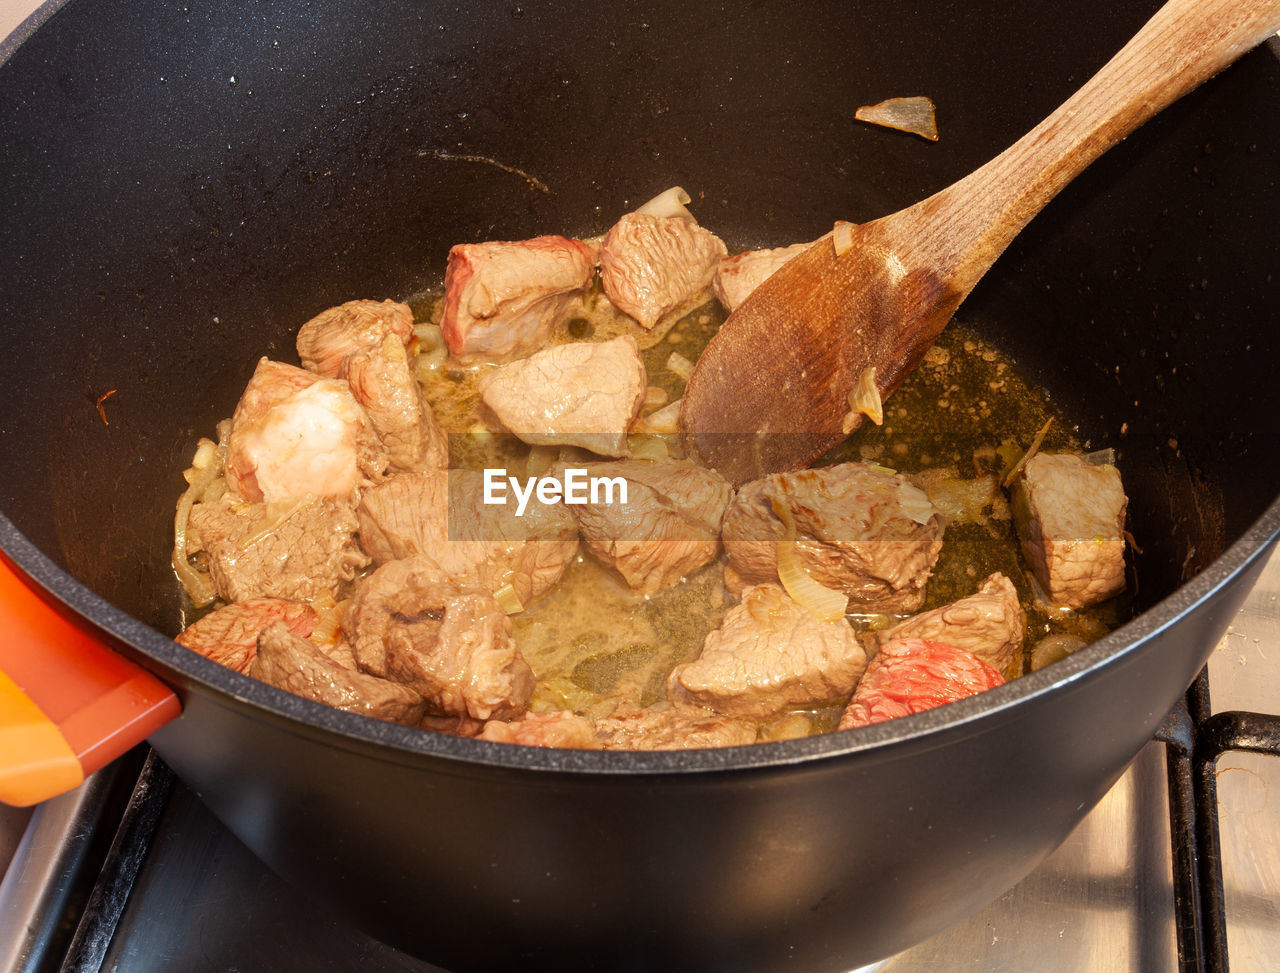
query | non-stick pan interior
(182,186)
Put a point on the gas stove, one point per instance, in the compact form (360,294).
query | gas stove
(1177,868)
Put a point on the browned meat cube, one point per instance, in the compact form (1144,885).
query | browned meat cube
(291,663)
(558,729)
(443,516)
(581,394)
(406,515)
(383,383)
(677,727)
(739,275)
(301,549)
(229,635)
(365,343)
(911,675)
(296,435)
(330,338)
(770,655)
(1070,518)
(990,624)
(504,299)
(451,645)
(651,266)
(669,526)
(860,529)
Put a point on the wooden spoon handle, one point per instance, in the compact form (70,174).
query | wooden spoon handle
(1183,45)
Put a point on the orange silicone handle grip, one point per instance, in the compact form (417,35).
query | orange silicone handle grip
(68,704)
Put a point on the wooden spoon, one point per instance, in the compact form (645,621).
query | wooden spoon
(771,390)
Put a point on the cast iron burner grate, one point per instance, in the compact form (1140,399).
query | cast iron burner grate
(1196,737)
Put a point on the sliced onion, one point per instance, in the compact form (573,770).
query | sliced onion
(655,397)
(1100,457)
(915,115)
(790,726)
(822,602)
(1052,648)
(207,467)
(328,630)
(507,597)
(960,500)
(197,584)
(557,693)
(206,453)
(666,421)
(680,366)
(915,503)
(842,237)
(213,491)
(432,354)
(669,202)
(864,399)
(652,449)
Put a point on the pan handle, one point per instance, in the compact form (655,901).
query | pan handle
(68,704)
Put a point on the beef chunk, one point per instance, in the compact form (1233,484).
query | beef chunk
(911,675)
(327,341)
(383,383)
(770,655)
(452,645)
(739,275)
(1070,518)
(651,266)
(364,342)
(669,526)
(557,729)
(581,394)
(505,299)
(229,635)
(671,727)
(299,549)
(860,529)
(291,663)
(296,435)
(443,516)
(990,624)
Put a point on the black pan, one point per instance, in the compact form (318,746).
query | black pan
(182,186)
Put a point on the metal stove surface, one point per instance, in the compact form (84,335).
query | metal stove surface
(203,903)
